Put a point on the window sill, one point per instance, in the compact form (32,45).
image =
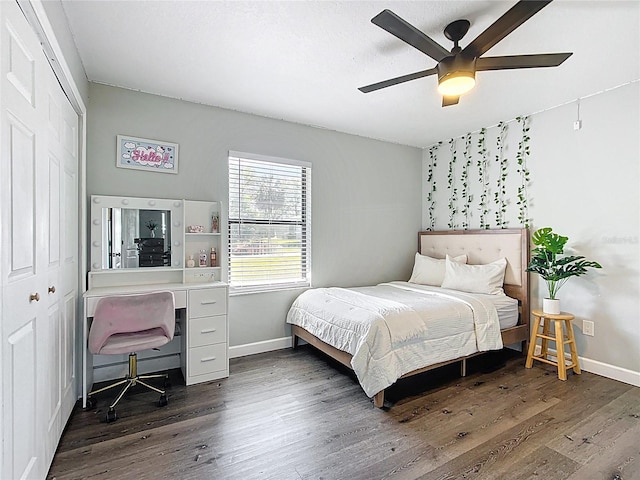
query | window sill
(237,292)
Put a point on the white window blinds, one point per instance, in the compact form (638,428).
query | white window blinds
(269,223)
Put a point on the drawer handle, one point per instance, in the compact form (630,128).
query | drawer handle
(208,330)
(208,359)
(208,302)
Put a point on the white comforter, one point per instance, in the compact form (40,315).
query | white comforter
(394,328)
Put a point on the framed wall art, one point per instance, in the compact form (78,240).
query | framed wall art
(147,154)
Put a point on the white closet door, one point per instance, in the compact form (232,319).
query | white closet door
(24,282)
(38,251)
(61,138)
(70,243)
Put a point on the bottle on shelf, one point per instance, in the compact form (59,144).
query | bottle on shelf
(203,258)
(191,262)
(213,257)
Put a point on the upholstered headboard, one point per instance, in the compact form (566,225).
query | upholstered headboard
(485,246)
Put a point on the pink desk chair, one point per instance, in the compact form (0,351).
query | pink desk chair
(129,324)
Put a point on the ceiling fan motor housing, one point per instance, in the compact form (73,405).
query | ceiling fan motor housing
(454,65)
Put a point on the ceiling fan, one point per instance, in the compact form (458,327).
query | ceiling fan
(456,69)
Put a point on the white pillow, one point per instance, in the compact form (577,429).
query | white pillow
(429,270)
(487,278)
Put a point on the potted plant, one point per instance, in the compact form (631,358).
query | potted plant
(555,269)
(151,225)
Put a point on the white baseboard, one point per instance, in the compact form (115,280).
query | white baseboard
(163,363)
(259,347)
(592,366)
(115,371)
(603,369)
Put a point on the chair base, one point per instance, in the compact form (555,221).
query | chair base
(129,381)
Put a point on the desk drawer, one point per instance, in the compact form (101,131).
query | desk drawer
(207,359)
(207,330)
(206,302)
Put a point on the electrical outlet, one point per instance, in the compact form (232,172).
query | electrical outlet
(588,328)
(202,276)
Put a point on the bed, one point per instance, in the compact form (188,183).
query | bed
(398,329)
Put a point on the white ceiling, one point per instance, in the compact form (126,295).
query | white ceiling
(303,61)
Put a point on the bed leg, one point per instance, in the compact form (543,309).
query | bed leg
(463,367)
(294,341)
(378,399)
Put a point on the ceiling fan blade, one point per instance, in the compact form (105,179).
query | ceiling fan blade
(446,101)
(406,32)
(521,61)
(397,80)
(507,23)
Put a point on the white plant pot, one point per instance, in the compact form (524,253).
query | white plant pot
(551,305)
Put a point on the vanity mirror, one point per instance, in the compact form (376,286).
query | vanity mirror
(131,232)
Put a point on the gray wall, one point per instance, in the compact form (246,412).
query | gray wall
(584,184)
(366,207)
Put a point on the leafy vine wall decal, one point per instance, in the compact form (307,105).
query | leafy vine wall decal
(471,189)
(451,186)
(431,184)
(501,192)
(521,157)
(483,177)
(467,197)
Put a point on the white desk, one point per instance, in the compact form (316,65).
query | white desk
(204,335)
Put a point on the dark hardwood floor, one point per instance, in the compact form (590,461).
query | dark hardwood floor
(299,415)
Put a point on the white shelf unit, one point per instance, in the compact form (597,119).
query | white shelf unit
(201,213)
(205,348)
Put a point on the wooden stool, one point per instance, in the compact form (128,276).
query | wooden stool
(559,338)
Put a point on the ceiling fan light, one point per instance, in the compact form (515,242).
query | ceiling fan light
(456,84)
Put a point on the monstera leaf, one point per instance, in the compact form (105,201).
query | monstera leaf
(545,239)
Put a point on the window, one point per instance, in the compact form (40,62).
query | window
(269,223)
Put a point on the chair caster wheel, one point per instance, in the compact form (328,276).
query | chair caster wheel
(111,416)
(163,401)
(91,404)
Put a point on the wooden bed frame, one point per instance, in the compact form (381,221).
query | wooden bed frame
(481,247)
